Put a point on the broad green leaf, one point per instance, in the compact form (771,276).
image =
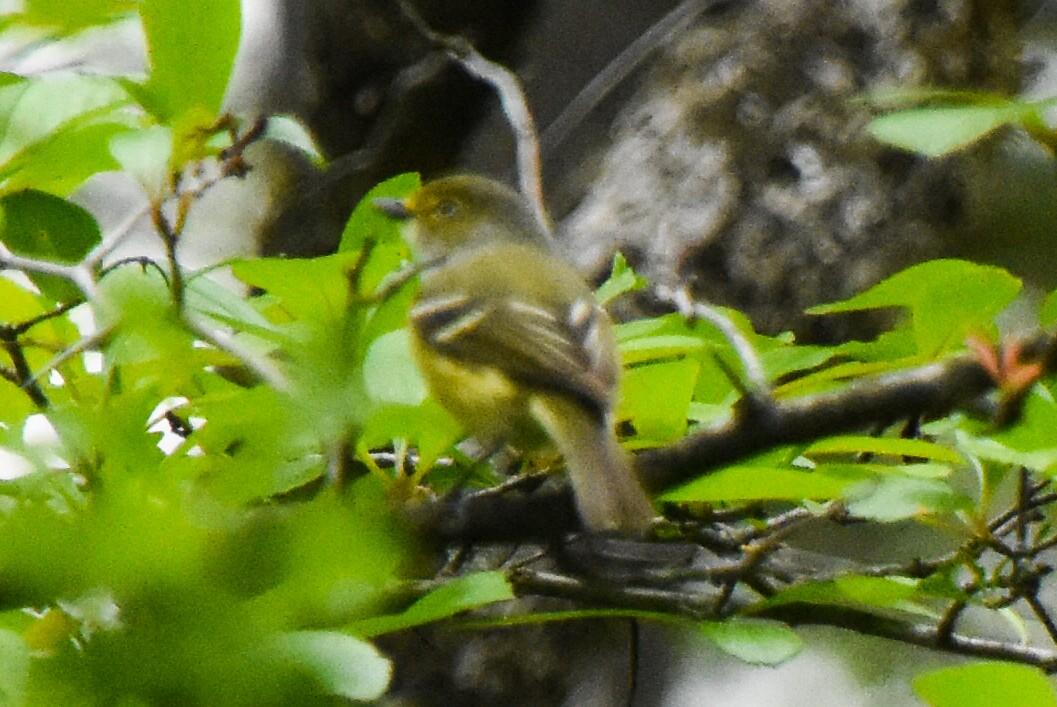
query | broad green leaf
(147,155)
(784,360)
(947,299)
(367,223)
(390,372)
(649,326)
(191,48)
(1030,443)
(259,443)
(313,289)
(62,161)
(137,303)
(32,110)
(17,303)
(340,664)
(658,348)
(877,591)
(939,131)
(213,299)
(895,498)
(761,483)
(38,225)
(756,641)
(428,426)
(888,446)
(67,17)
(987,684)
(879,594)
(462,594)
(656,399)
(622,279)
(14,668)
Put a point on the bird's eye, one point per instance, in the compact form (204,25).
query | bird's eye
(447,208)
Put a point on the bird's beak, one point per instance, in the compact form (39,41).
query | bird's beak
(394,208)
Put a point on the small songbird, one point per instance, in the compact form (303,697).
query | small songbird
(511,340)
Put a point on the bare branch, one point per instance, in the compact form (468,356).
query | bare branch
(515,106)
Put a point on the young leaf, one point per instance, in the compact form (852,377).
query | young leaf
(33,109)
(462,594)
(1048,311)
(900,497)
(854,444)
(762,483)
(191,47)
(622,279)
(340,664)
(67,17)
(939,131)
(389,371)
(756,641)
(947,299)
(39,225)
(656,399)
(988,684)
(14,667)
(367,223)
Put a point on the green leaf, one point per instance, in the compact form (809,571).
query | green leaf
(622,279)
(34,110)
(947,299)
(340,664)
(289,129)
(68,17)
(762,483)
(367,223)
(17,303)
(855,444)
(656,399)
(389,370)
(939,131)
(658,348)
(877,591)
(63,161)
(39,225)
(428,426)
(462,594)
(1048,311)
(987,684)
(309,289)
(882,595)
(191,48)
(14,667)
(897,498)
(147,156)
(1030,443)
(756,641)
(784,360)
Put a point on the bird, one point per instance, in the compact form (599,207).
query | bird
(512,342)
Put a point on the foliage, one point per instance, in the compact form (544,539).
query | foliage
(215,514)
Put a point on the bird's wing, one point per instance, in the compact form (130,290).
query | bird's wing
(564,349)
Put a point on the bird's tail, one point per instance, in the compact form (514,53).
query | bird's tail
(608,494)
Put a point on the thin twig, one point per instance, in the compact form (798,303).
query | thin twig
(619,68)
(680,298)
(78,274)
(223,340)
(511,97)
(86,343)
(23,373)
(1042,615)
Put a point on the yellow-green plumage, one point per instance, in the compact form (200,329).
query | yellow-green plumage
(511,341)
